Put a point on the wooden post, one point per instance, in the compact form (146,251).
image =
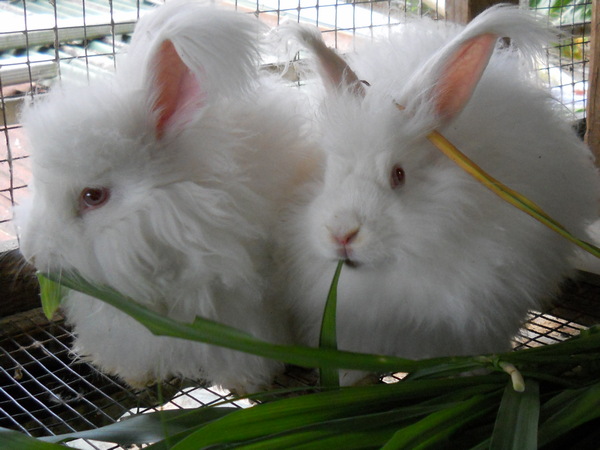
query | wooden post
(463,11)
(592,134)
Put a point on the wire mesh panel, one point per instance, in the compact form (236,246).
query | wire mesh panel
(44,41)
(567,66)
(41,42)
(43,391)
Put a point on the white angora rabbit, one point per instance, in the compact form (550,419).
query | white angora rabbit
(436,263)
(163,182)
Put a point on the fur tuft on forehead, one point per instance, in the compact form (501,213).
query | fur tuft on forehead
(70,110)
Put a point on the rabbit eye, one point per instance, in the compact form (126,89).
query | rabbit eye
(93,197)
(398,177)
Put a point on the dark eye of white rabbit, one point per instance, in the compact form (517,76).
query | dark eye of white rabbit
(398,177)
(93,197)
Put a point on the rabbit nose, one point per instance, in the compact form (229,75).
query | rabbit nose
(346,238)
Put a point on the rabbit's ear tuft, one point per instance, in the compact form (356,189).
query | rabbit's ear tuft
(177,92)
(333,69)
(461,74)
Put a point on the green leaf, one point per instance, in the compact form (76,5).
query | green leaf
(284,415)
(438,426)
(210,332)
(51,294)
(452,367)
(440,406)
(354,430)
(516,424)
(15,440)
(582,407)
(329,377)
(145,428)
(322,438)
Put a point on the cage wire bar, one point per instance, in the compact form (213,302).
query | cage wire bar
(43,390)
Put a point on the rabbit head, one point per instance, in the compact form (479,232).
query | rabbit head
(386,190)
(131,172)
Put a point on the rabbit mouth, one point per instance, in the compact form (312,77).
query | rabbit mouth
(345,254)
(351,263)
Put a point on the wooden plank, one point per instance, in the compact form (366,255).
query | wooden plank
(592,135)
(19,289)
(463,11)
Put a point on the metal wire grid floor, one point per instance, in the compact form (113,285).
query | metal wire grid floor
(577,308)
(44,391)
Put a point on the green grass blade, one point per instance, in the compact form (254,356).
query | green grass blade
(354,431)
(516,426)
(320,435)
(582,408)
(438,426)
(452,368)
(51,294)
(144,428)
(15,440)
(557,403)
(365,430)
(311,410)
(504,192)
(211,332)
(320,439)
(329,377)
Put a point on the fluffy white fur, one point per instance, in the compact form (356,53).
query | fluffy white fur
(440,265)
(186,229)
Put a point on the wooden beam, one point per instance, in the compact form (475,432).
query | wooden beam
(463,11)
(18,285)
(592,135)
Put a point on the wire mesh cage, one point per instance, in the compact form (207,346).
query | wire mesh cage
(567,66)
(43,389)
(42,42)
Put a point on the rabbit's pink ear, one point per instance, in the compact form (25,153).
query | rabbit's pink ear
(333,68)
(460,75)
(178,91)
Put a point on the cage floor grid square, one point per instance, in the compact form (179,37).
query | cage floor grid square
(45,391)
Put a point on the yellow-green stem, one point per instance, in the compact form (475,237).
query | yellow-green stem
(504,192)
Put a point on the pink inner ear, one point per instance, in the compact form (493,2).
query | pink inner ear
(461,75)
(178,90)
